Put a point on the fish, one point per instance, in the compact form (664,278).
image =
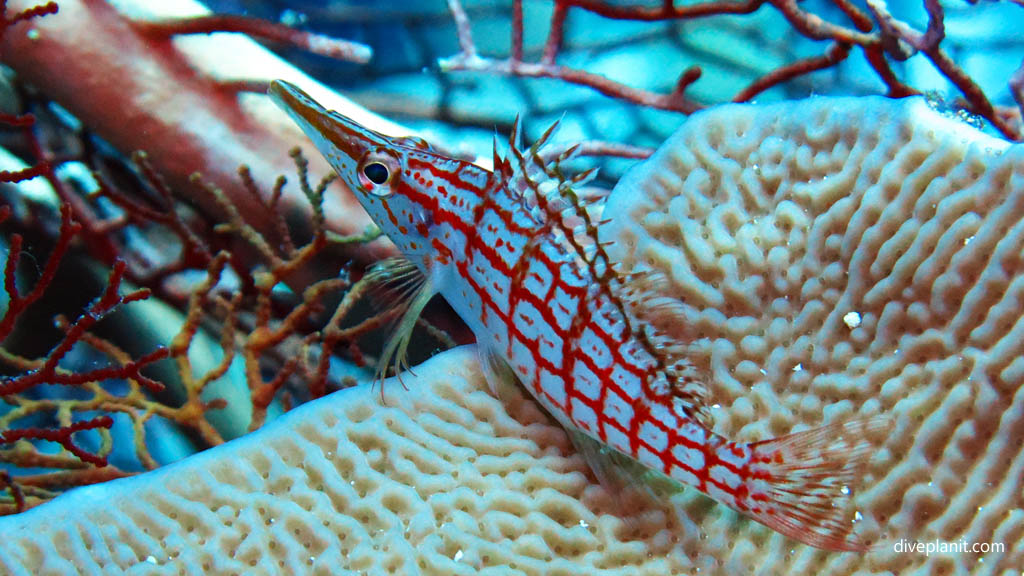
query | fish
(516,253)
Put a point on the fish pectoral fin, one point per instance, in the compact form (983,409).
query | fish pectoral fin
(393,282)
(398,344)
(397,283)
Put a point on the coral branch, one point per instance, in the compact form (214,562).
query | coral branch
(861,20)
(105,304)
(898,36)
(17,303)
(469,60)
(26,174)
(463,29)
(137,218)
(836,53)
(195,251)
(26,14)
(555,35)
(667,10)
(599,148)
(816,28)
(63,437)
(674,101)
(138,90)
(8,483)
(259,28)
(894,39)
(17,120)
(517,30)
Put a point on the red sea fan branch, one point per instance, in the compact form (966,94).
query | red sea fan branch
(26,14)
(127,219)
(7,482)
(63,436)
(891,38)
(257,28)
(18,303)
(128,81)
(26,174)
(110,299)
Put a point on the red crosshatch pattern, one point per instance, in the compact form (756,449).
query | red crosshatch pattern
(502,254)
(542,326)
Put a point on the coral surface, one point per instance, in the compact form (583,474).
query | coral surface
(441,478)
(835,258)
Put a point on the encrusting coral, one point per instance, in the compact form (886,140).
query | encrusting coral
(831,257)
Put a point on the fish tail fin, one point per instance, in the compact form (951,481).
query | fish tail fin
(801,484)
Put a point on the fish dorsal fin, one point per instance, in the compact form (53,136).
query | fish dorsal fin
(398,283)
(646,300)
(641,298)
(502,168)
(528,172)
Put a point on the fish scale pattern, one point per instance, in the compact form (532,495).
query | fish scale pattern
(843,257)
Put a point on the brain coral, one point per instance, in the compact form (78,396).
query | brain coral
(832,258)
(841,257)
(443,479)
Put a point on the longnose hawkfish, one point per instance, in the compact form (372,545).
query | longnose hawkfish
(514,252)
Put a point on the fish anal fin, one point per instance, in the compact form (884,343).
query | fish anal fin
(801,484)
(501,379)
(631,487)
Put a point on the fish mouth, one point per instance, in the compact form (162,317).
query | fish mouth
(334,134)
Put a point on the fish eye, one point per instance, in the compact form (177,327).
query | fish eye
(376,172)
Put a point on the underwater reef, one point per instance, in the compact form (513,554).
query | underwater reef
(190,327)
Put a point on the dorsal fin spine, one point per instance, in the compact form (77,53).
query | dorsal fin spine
(556,205)
(591,253)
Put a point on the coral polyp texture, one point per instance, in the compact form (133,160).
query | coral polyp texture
(830,259)
(835,258)
(442,478)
